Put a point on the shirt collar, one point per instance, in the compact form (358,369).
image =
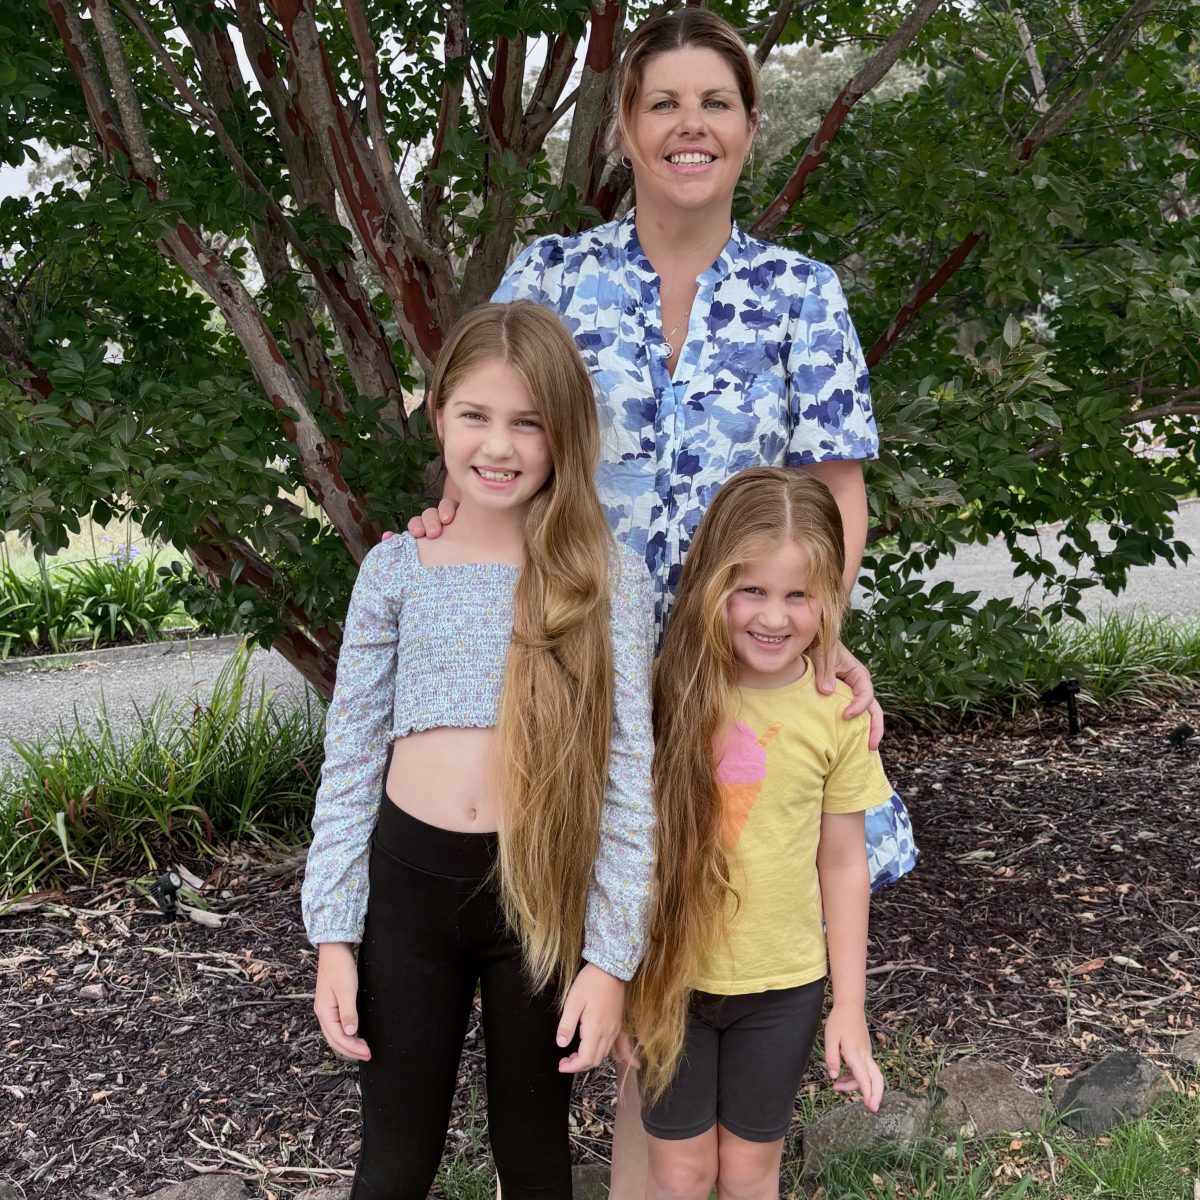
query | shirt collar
(627,238)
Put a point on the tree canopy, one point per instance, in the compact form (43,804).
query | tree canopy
(277,208)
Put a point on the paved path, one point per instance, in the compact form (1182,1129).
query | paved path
(34,703)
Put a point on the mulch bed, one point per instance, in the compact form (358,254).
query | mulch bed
(1055,915)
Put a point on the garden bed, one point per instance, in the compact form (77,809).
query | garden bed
(1055,915)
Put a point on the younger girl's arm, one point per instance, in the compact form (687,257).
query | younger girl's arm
(846,899)
(620,889)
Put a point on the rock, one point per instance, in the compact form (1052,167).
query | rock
(589,1181)
(338,1191)
(204,1187)
(1121,1087)
(981,1099)
(92,991)
(1187,1049)
(9,1192)
(902,1120)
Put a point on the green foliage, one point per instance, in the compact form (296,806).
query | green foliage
(187,782)
(124,598)
(1012,401)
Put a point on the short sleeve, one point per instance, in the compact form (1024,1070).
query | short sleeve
(829,395)
(855,781)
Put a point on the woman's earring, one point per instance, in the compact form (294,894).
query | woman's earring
(626,162)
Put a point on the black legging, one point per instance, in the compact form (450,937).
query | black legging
(434,930)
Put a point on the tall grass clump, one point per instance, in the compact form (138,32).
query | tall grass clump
(187,781)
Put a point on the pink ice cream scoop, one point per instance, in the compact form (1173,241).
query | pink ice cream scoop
(741,769)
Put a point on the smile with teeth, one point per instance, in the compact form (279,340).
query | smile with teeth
(496,476)
(691,158)
(767,640)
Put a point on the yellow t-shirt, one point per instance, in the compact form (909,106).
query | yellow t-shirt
(789,758)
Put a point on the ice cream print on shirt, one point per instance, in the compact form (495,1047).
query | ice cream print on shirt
(740,774)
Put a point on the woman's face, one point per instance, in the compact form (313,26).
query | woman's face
(690,131)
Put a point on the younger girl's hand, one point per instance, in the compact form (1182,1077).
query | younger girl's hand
(429,523)
(336,999)
(846,1037)
(596,1004)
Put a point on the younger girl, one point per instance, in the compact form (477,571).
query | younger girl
(484,816)
(755,843)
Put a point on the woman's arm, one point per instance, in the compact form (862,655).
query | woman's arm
(846,899)
(844,479)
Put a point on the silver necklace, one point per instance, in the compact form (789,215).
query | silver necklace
(675,327)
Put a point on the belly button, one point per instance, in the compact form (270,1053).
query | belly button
(474,813)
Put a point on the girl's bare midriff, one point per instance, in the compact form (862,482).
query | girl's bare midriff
(440,777)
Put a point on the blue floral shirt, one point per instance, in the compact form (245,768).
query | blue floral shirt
(770,373)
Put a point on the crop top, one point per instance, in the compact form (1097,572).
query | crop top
(425,647)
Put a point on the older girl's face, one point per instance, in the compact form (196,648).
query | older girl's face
(690,131)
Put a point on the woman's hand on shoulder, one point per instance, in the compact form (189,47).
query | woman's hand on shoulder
(336,1000)
(841,664)
(847,1039)
(429,523)
(595,1004)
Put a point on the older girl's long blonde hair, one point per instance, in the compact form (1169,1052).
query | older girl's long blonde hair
(694,685)
(556,702)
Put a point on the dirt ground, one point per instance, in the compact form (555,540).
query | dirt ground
(1055,915)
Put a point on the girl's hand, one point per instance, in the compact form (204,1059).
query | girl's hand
(846,1037)
(336,1000)
(429,523)
(841,664)
(596,1004)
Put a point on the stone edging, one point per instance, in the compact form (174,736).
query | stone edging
(118,654)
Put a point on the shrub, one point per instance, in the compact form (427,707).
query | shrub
(186,782)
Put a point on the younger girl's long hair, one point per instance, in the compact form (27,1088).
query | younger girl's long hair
(556,701)
(694,684)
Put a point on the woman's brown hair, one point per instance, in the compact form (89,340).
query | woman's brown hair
(694,685)
(687,29)
(555,718)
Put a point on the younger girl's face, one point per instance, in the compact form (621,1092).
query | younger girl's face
(772,619)
(494,441)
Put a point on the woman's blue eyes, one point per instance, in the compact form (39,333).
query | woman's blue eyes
(707,103)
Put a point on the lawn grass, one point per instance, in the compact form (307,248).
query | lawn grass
(1155,1158)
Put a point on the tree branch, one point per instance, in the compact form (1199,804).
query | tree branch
(875,69)
(136,140)
(416,277)
(783,14)
(454,51)
(369,63)
(584,162)
(368,352)
(1051,123)
(1031,57)
(311,649)
(1134,416)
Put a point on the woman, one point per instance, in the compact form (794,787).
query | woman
(710,352)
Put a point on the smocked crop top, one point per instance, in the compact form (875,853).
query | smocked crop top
(425,647)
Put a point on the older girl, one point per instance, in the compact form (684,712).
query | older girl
(484,816)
